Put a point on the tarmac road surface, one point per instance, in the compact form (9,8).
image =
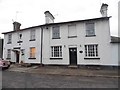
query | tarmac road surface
(31,80)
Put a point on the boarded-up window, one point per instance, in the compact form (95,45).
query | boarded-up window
(32,52)
(72,30)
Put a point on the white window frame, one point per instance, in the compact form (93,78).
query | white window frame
(56,32)
(8,53)
(32,34)
(9,38)
(56,51)
(91,50)
(90,29)
(19,36)
(32,54)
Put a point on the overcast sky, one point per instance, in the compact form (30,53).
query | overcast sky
(31,12)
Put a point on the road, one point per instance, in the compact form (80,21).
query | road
(28,80)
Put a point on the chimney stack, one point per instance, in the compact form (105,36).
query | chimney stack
(104,9)
(49,18)
(16,26)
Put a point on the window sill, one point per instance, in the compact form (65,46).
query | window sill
(56,38)
(32,40)
(31,58)
(90,35)
(19,41)
(16,47)
(72,36)
(9,43)
(56,58)
(91,58)
(8,58)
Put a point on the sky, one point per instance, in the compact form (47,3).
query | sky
(31,12)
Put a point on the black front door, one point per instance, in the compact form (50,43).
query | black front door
(17,56)
(73,56)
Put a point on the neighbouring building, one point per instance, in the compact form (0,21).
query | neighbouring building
(119,28)
(1,48)
(23,45)
(80,42)
(119,18)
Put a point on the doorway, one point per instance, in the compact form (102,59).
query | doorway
(73,56)
(17,56)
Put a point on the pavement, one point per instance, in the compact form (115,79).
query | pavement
(65,70)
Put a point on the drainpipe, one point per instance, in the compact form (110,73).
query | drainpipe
(41,45)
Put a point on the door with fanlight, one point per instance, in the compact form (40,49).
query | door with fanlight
(73,56)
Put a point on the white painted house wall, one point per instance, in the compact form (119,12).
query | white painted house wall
(26,44)
(114,54)
(106,50)
(102,38)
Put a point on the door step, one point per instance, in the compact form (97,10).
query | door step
(73,66)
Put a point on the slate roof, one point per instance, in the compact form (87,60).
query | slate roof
(115,39)
(100,18)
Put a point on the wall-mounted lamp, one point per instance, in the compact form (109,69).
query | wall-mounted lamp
(46,27)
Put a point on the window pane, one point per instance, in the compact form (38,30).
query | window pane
(8,53)
(32,34)
(90,26)
(91,50)
(85,50)
(55,32)
(90,29)
(96,50)
(9,38)
(56,51)
(60,51)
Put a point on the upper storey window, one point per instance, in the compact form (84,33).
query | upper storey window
(20,36)
(72,32)
(32,35)
(90,29)
(9,38)
(56,32)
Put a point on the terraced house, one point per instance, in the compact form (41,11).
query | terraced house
(80,42)
(1,47)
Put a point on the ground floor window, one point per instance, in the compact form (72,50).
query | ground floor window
(32,52)
(56,51)
(8,53)
(91,50)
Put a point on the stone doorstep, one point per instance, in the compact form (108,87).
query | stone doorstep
(73,66)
